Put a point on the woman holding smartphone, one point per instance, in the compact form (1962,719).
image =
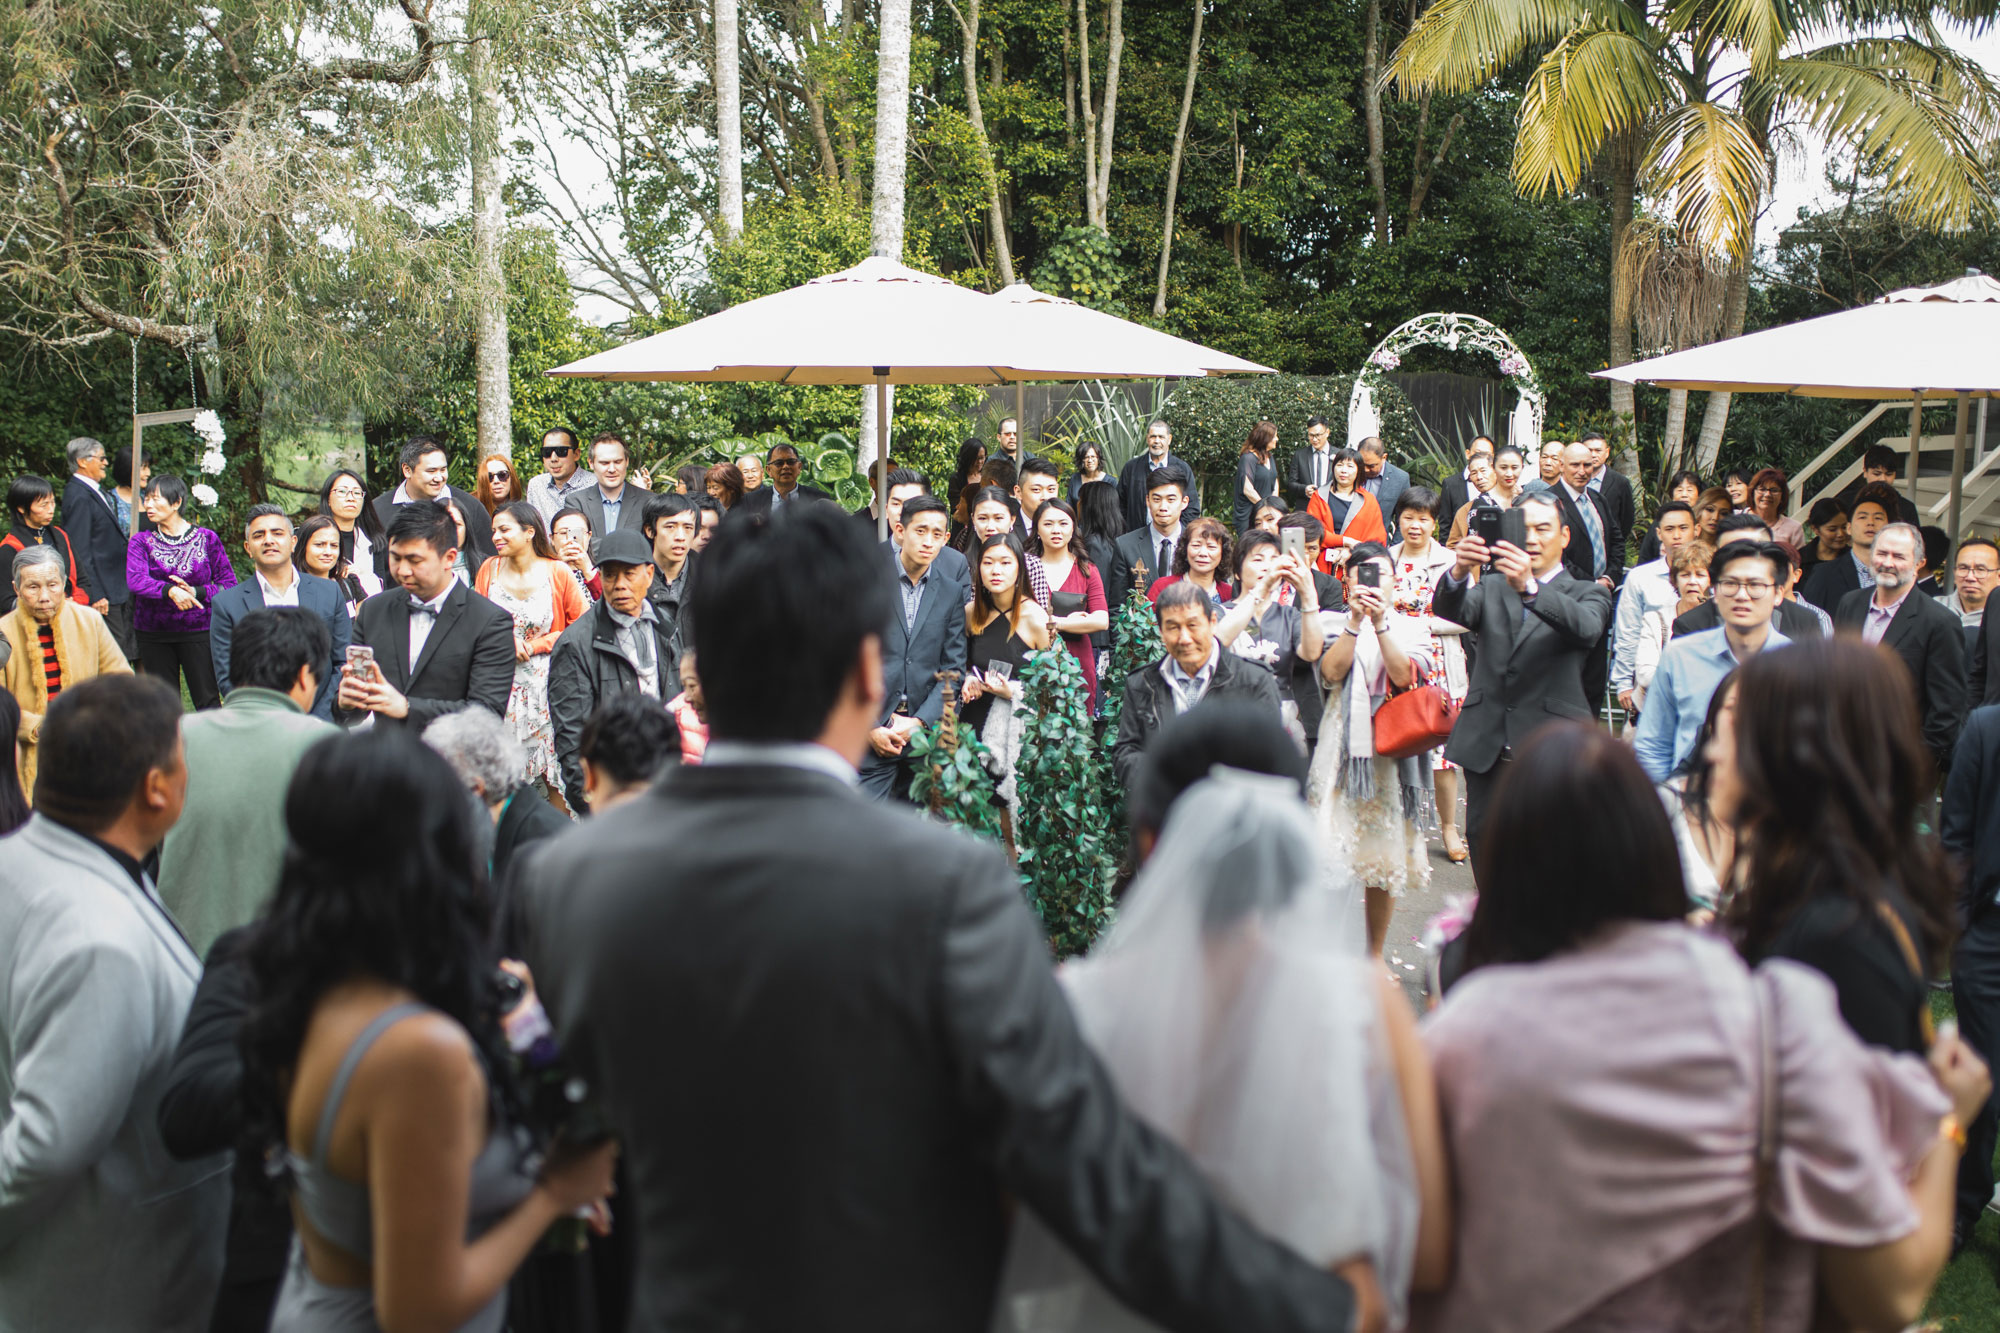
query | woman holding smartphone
(1003,624)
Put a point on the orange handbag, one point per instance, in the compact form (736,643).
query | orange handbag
(1418,719)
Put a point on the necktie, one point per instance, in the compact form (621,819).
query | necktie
(1319,468)
(1588,508)
(1166,565)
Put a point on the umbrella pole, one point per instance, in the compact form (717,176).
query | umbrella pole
(882,452)
(1021,409)
(1958,458)
(1916,442)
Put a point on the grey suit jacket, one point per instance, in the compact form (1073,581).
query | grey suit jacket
(317,595)
(1389,489)
(1529,669)
(99,1227)
(631,511)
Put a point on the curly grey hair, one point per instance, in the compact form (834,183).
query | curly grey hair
(480,749)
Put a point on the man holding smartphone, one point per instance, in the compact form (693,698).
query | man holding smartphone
(1537,624)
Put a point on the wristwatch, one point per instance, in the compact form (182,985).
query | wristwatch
(1534,586)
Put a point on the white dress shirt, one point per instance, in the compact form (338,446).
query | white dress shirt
(1650,587)
(421,625)
(272,597)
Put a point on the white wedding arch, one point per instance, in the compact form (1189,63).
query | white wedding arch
(1456,332)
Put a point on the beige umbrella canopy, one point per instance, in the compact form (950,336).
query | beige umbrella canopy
(1920,340)
(883,323)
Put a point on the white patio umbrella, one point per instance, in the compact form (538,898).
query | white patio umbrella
(884,323)
(1920,340)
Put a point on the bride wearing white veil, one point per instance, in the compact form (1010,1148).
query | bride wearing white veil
(1236,1017)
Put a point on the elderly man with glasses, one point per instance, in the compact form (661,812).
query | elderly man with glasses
(562,474)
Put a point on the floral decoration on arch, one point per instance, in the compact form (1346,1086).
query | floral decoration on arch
(1458,333)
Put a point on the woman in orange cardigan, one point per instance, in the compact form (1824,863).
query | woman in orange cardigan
(527,582)
(1347,512)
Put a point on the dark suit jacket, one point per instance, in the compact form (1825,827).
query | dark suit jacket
(1616,492)
(1138,549)
(1576,555)
(91,521)
(468,658)
(528,819)
(874,1058)
(320,596)
(1830,581)
(911,658)
(759,500)
(1457,493)
(1394,482)
(1528,671)
(1931,643)
(1983,685)
(478,530)
(1794,621)
(1969,821)
(1298,476)
(1132,487)
(631,509)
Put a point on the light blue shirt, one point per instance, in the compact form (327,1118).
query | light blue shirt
(808,755)
(1677,703)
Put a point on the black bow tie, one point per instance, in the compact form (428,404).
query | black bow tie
(419,606)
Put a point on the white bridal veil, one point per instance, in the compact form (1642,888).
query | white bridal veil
(1237,1018)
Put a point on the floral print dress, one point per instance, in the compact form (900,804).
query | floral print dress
(1416,585)
(528,702)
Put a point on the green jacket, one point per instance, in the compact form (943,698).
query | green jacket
(219,864)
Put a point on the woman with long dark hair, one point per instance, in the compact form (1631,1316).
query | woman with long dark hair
(13,800)
(1003,624)
(344,499)
(1077,608)
(1736,482)
(318,553)
(498,485)
(374,1058)
(971,458)
(1089,468)
(1597,1050)
(1822,770)
(1256,474)
(1707,844)
(1346,510)
(1828,520)
(529,583)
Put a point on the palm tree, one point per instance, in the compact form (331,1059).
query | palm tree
(1686,100)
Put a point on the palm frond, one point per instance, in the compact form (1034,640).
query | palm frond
(1459,44)
(1677,292)
(1595,84)
(1759,29)
(1710,169)
(1918,114)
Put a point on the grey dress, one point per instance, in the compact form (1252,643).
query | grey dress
(339,1211)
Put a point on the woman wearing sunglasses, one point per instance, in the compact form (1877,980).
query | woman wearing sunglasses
(498,486)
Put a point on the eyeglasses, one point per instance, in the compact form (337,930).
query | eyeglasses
(556,451)
(1745,587)
(496,474)
(777,463)
(347,492)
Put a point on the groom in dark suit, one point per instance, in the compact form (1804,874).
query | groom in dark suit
(826,1031)
(438,644)
(1536,624)
(924,635)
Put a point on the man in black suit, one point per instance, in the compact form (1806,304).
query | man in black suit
(1919,631)
(614,504)
(97,541)
(867,1040)
(1381,478)
(1794,620)
(1969,828)
(1135,478)
(1612,484)
(1831,580)
(923,635)
(1311,468)
(1595,551)
(1537,623)
(1458,486)
(1150,549)
(1196,668)
(439,646)
(1882,466)
(785,493)
(1034,486)
(427,476)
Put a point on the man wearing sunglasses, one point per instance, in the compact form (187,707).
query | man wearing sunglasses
(561,474)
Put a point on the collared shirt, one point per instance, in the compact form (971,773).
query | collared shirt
(1879,616)
(272,597)
(1153,540)
(612,508)
(1188,690)
(421,625)
(549,496)
(1322,471)
(1677,704)
(1650,587)
(639,645)
(1862,567)
(1969,619)
(809,756)
(1593,523)
(912,591)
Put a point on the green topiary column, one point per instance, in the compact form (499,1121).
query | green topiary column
(1062,842)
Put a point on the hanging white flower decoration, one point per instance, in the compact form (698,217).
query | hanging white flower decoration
(209,427)
(204,494)
(212,461)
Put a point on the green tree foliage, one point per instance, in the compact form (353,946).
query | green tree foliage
(1060,845)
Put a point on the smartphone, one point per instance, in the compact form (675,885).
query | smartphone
(1293,542)
(360,660)
(1514,528)
(1368,575)
(1485,522)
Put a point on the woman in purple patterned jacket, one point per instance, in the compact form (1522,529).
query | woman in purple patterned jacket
(175,571)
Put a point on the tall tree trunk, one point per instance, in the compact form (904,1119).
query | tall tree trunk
(996,216)
(728,121)
(1069,85)
(1174,163)
(1716,417)
(892,125)
(493,392)
(1236,228)
(1624,403)
(1107,120)
(1371,103)
(1089,110)
(1675,442)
